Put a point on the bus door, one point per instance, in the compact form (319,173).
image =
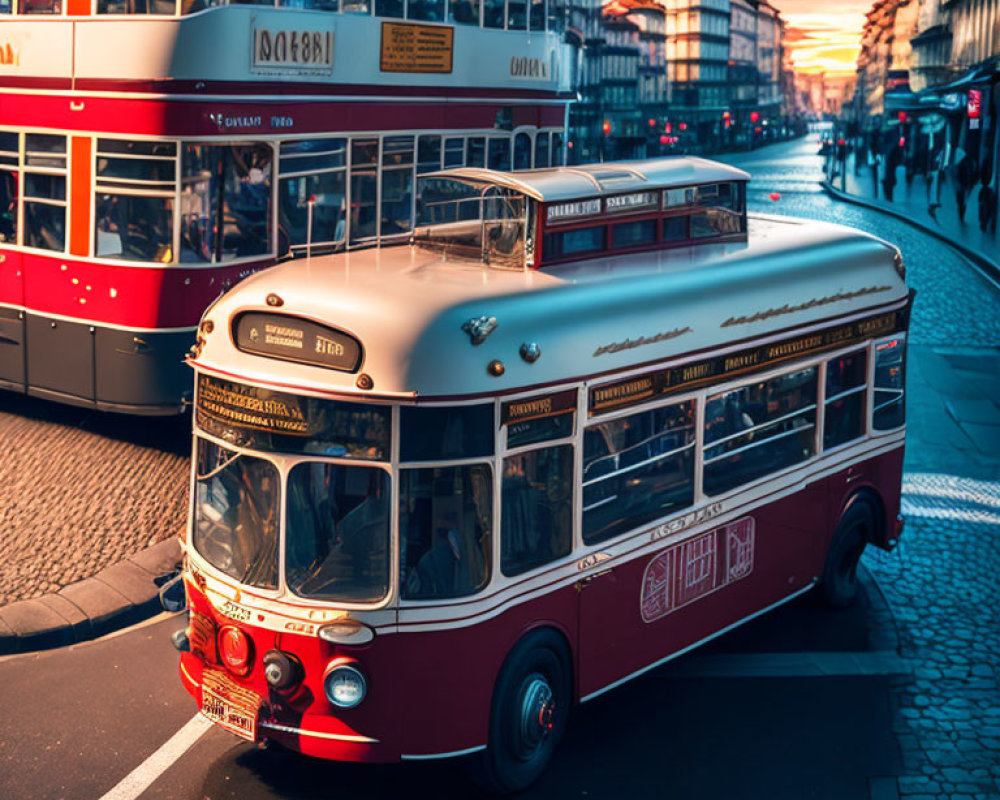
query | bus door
(11,319)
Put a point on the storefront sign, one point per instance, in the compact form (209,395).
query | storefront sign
(297,51)
(974,108)
(416,48)
(292,339)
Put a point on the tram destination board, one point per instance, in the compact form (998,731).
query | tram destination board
(293,339)
(416,48)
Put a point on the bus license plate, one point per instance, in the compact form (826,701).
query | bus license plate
(229,705)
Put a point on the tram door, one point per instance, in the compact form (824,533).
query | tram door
(11,320)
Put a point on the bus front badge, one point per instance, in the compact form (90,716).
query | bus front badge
(479,328)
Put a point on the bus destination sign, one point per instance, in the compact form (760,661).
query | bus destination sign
(294,339)
(416,48)
(249,407)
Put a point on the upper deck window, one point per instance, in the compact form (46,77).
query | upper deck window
(475,220)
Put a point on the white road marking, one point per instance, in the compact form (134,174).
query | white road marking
(142,777)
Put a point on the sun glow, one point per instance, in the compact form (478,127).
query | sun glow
(827,42)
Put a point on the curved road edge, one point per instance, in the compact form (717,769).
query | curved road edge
(116,597)
(989,268)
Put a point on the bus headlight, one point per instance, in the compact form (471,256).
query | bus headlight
(235,650)
(346,632)
(281,671)
(344,684)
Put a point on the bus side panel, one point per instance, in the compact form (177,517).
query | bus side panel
(651,607)
(879,479)
(443,680)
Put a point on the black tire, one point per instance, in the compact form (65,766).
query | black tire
(838,586)
(528,715)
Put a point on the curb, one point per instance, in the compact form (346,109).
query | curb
(980,261)
(116,597)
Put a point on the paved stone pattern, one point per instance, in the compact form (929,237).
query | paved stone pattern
(942,585)
(943,581)
(74,501)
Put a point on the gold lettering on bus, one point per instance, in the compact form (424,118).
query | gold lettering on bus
(876,324)
(681,523)
(255,412)
(741,361)
(794,347)
(629,344)
(282,336)
(623,391)
(531,408)
(791,309)
(328,347)
(696,372)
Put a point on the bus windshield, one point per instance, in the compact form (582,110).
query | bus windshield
(236,514)
(337,532)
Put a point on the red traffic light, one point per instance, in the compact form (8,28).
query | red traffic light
(754,116)
(606,127)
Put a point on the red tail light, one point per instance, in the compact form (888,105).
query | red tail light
(235,650)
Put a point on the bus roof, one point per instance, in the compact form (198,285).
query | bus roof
(412,310)
(594,180)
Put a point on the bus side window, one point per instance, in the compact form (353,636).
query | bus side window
(637,469)
(757,429)
(445,529)
(889,381)
(536,514)
(844,419)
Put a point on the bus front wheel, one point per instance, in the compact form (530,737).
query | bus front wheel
(839,583)
(529,712)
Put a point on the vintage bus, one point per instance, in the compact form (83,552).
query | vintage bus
(589,419)
(152,154)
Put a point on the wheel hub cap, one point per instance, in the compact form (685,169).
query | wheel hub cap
(537,711)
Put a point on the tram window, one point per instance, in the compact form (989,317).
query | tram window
(844,417)
(476,154)
(357,7)
(522,151)
(312,155)
(389,8)
(337,532)
(760,428)
(675,229)
(536,508)
(363,222)
(499,153)
(567,243)
(8,204)
(537,21)
(557,149)
(430,10)
(397,185)
(236,514)
(454,152)
(493,13)
(541,149)
(445,531)
(889,383)
(134,228)
(637,469)
(45,191)
(40,6)
(160,7)
(632,234)
(677,198)
(464,12)
(517,17)
(429,433)
(429,154)
(328,191)
(228,218)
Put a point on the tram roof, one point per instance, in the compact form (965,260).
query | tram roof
(593,180)
(407,307)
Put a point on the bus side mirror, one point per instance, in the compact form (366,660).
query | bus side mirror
(172,596)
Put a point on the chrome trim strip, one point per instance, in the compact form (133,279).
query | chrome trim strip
(453,754)
(340,737)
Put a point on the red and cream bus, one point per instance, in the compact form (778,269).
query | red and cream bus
(589,419)
(152,154)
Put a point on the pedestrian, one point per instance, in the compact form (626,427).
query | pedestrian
(965,176)
(987,198)
(892,161)
(939,164)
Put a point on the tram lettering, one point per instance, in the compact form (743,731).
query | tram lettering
(696,372)
(328,347)
(740,361)
(300,627)
(10,56)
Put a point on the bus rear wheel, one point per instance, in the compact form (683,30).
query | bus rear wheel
(839,584)
(528,716)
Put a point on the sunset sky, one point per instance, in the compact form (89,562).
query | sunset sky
(824,42)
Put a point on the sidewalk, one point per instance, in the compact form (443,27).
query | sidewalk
(911,203)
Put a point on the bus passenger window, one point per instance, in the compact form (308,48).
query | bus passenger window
(494,13)
(337,532)
(633,234)
(637,469)
(445,531)
(844,418)
(430,10)
(464,12)
(476,155)
(675,229)
(568,243)
(438,432)
(541,149)
(760,428)
(536,514)
(9,148)
(889,383)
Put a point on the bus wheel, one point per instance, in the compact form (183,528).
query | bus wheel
(839,584)
(528,716)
